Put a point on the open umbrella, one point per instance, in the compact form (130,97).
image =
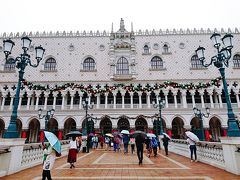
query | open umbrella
(165,134)
(151,135)
(135,133)
(125,132)
(73,133)
(53,140)
(109,135)
(192,136)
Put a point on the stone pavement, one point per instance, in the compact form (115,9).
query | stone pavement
(100,164)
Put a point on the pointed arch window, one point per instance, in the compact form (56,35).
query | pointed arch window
(165,48)
(122,66)
(50,65)
(196,63)
(9,65)
(236,61)
(146,49)
(89,64)
(156,63)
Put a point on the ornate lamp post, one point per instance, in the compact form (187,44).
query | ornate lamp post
(22,61)
(49,114)
(160,106)
(220,60)
(198,113)
(86,105)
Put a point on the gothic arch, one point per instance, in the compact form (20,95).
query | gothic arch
(19,127)
(33,130)
(156,126)
(123,124)
(177,128)
(52,126)
(141,124)
(105,125)
(215,128)
(69,125)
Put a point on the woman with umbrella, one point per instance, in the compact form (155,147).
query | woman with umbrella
(72,153)
(165,140)
(50,151)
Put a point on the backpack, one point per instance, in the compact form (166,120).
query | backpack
(154,142)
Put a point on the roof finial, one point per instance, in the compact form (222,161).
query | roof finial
(112,27)
(132,26)
(122,27)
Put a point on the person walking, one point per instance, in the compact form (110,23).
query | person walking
(132,144)
(165,140)
(193,149)
(49,156)
(139,141)
(148,143)
(125,143)
(154,145)
(72,153)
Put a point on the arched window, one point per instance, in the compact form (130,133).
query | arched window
(89,64)
(9,65)
(196,63)
(156,63)
(50,64)
(165,48)
(236,61)
(146,49)
(122,66)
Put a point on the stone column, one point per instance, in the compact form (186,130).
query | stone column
(165,92)
(37,94)
(29,96)
(131,96)
(106,100)
(140,99)
(80,99)
(55,93)
(175,97)
(219,93)
(63,93)
(98,101)
(11,102)
(184,99)
(72,93)
(123,101)
(4,95)
(20,100)
(236,92)
(114,99)
(201,92)
(148,100)
(46,94)
(193,98)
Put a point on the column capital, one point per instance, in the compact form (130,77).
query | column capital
(184,92)
(72,93)
(55,93)
(192,92)
(201,92)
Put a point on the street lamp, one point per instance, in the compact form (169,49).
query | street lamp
(160,106)
(198,113)
(86,105)
(21,62)
(221,61)
(49,114)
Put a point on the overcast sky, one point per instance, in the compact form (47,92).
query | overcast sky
(73,15)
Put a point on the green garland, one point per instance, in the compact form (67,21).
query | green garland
(131,88)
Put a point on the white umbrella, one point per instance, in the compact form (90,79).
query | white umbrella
(192,136)
(167,135)
(151,135)
(125,132)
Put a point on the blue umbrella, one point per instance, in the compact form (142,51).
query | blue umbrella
(53,140)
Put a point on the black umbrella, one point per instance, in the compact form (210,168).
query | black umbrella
(73,133)
(135,133)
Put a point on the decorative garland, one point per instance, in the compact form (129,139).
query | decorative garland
(131,88)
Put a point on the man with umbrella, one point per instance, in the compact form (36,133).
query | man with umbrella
(139,140)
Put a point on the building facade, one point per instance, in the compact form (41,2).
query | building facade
(122,72)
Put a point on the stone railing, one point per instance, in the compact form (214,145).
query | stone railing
(32,154)
(15,155)
(207,152)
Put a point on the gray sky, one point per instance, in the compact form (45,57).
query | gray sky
(73,15)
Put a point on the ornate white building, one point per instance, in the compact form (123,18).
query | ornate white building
(122,72)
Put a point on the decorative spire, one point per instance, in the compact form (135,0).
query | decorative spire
(122,27)
(112,27)
(132,26)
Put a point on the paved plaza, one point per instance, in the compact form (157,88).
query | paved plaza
(100,164)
